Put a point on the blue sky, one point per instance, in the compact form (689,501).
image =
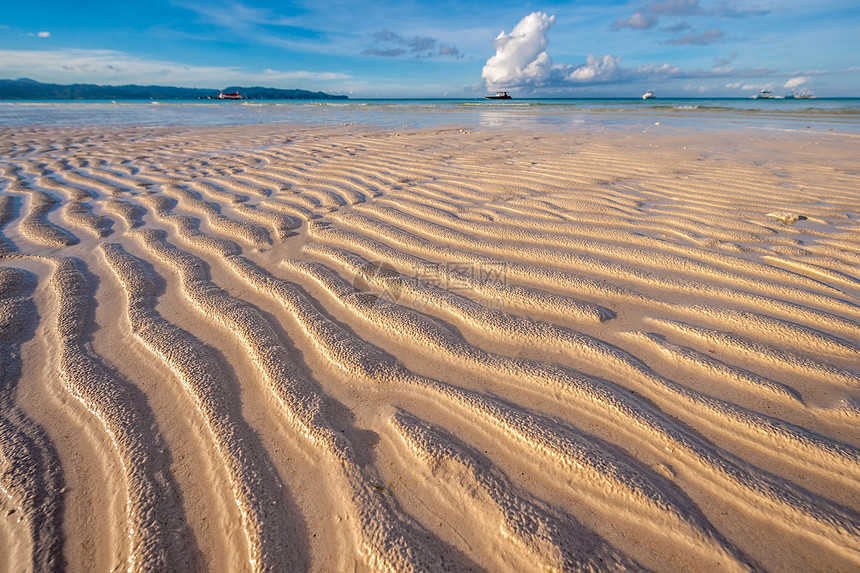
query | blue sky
(420,48)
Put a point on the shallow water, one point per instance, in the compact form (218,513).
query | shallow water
(840,115)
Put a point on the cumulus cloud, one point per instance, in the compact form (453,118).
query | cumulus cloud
(794,82)
(704,38)
(637,21)
(392,44)
(521,57)
(595,67)
(521,60)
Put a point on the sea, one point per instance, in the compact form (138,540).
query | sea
(820,114)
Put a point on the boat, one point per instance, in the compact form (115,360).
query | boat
(231,95)
(802,94)
(649,95)
(499,95)
(766,94)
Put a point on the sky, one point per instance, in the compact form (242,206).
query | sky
(442,48)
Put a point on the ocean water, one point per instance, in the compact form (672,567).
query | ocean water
(842,114)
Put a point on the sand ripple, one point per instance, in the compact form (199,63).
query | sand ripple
(428,351)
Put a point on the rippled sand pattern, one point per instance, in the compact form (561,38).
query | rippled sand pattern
(332,349)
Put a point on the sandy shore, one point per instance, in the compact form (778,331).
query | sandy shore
(340,349)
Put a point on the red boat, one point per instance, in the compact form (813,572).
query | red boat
(233,95)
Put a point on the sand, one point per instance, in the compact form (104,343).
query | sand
(344,348)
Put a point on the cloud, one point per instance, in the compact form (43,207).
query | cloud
(675,8)
(389,53)
(731,10)
(723,62)
(696,88)
(521,60)
(520,57)
(238,16)
(418,46)
(114,67)
(637,21)
(258,25)
(595,67)
(794,82)
(676,28)
(704,38)
(649,14)
(39,34)
(757,87)
(387,36)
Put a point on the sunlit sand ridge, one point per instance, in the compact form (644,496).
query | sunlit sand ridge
(279,348)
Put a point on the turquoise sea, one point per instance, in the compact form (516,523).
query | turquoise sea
(842,114)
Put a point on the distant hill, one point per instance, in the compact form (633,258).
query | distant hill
(31,89)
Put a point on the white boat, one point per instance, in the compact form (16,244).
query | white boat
(649,95)
(766,94)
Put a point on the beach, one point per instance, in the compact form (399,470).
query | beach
(439,348)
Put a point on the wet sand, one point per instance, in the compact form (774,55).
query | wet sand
(346,348)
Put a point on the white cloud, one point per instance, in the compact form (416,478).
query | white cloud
(595,67)
(520,56)
(114,67)
(757,87)
(794,82)
(521,60)
(43,34)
